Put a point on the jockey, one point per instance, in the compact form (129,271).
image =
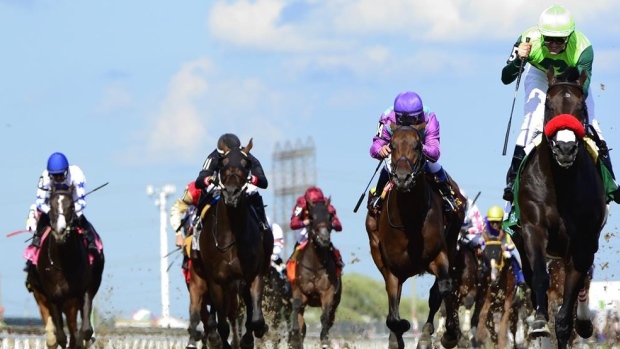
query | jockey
(553,43)
(278,245)
(472,226)
(257,179)
(60,175)
(493,231)
(182,210)
(409,110)
(300,219)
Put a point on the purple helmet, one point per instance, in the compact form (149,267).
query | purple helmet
(408,108)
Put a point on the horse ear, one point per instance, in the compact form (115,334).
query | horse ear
(420,127)
(248,147)
(328,201)
(582,78)
(393,127)
(551,76)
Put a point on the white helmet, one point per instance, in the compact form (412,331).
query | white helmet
(556,21)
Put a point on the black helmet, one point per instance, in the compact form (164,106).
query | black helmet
(229,140)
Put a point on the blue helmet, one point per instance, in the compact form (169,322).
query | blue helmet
(57,164)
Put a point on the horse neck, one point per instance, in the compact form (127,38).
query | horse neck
(66,254)
(417,200)
(237,217)
(322,254)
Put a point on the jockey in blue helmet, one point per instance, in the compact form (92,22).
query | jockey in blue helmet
(60,175)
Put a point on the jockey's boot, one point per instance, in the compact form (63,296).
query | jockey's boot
(257,202)
(606,160)
(445,189)
(511,176)
(185,264)
(374,197)
(88,233)
(338,257)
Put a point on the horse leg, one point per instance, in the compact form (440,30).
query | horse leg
(86,330)
(327,317)
(434,303)
(535,252)
(58,325)
(196,293)
(258,321)
(295,334)
(564,318)
(75,339)
(479,335)
(583,324)
(213,338)
(440,267)
(397,326)
(247,341)
(46,318)
(505,323)
(219,303)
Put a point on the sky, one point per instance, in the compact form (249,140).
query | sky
(136,93)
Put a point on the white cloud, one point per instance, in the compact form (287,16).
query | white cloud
(179,127)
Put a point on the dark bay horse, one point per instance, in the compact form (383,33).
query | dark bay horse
(499,296)
(317,281)
(199,299)
(65,280)
(233,249)
(413,235)
(562,203)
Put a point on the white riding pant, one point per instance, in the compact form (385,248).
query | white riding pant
(536,85)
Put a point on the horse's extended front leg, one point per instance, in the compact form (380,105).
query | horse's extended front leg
(58,325)
(297,321)
(440,268)
(564,319)
(197,310)
(327,317)
(70,309)
(505,323)
(86,330)
(219,304)
(535,252)
(258,320)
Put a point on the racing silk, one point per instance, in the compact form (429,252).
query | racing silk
(578,53)
(74,177)
(181,206)
(212,165)
(384,134)
(278,241)
(473,219)
(300,213)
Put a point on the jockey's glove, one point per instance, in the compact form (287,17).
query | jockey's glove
(31,224)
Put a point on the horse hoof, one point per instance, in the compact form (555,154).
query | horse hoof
(468,302)
(428,328)
(584,328)
(191,346)
(539,329)
(449,341)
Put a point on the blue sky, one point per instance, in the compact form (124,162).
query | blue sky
(136,93)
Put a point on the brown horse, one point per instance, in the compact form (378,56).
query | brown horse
(562,202)
(65,282)
(317,281)
(499,297)
(233,249)
(413,235)
(198,289)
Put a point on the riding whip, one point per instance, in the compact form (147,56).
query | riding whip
(99,187)
(365,190)
(513,101)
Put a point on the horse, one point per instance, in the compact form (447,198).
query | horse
(234,249)
(499,296)
(199,299)
(317,281)
(414,235)
(470,285)
(562,204)
(64,280)
(277,303)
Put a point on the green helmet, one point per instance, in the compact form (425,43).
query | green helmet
(556,21)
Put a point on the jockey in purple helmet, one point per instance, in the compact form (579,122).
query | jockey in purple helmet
(409,110)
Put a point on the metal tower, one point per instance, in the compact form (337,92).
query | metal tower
(294,170)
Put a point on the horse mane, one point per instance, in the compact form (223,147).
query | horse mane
(569,75)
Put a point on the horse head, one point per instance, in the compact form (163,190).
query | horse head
(493,254)
(407,159)
(234,173)
(565,114)
(62,213)
(320,223)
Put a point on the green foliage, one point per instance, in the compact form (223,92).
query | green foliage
(364,299)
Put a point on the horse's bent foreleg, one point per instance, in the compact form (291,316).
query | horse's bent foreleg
(61,337)
(75,338)
(295,334)
(86,331)
(219,303)
(564,318)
